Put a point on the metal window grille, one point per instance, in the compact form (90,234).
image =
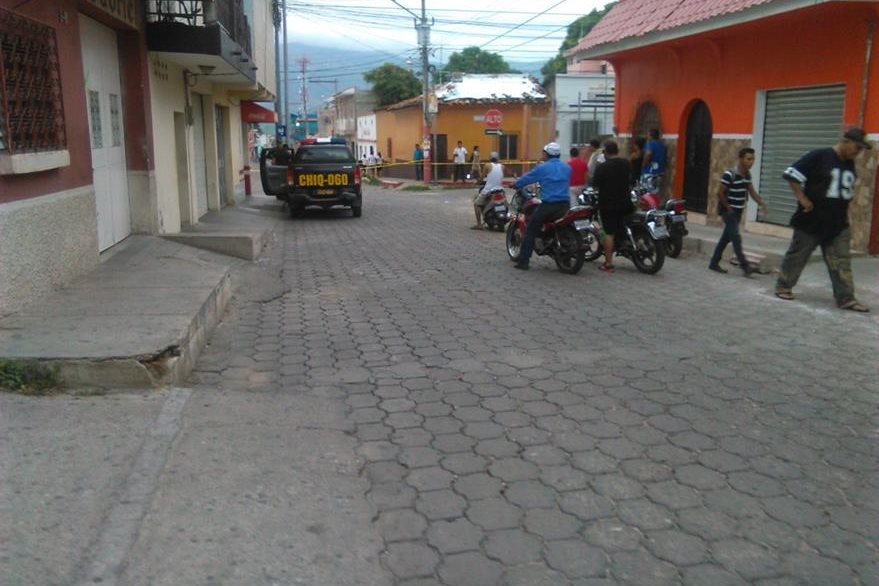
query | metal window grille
(31,111)
(582,131)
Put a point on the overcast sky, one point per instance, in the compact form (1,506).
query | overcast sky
(519,31)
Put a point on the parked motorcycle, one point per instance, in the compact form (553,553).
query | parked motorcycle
(644,242)
(647,195)
(592,248)
(495,211)
(561,239)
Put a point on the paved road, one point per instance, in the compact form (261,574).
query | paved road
(389,402)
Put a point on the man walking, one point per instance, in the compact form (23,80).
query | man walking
(823,182)
(459,157)
(612,182)
(555,178)
(735,185)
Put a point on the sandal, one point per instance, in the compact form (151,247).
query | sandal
(786,295)
(606,268)
(855,305)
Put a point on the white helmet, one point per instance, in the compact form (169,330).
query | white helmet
(553,149)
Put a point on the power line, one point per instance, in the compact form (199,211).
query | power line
(526,22)
(404,8)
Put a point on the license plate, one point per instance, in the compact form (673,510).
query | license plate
(678,219)
(660,232)
(324,192)
(500,208)
(322,179)
(582,224)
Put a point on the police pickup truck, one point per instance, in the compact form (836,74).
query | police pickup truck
(322,172)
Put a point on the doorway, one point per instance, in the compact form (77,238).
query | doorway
(221,154)
(100,60)
(697,158)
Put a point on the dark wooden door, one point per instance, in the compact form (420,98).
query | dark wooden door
(440,156)
(697,158)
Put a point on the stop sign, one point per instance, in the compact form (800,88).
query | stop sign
(493,118)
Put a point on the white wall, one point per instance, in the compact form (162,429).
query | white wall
(589,87)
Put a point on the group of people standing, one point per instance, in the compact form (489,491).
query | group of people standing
(822,182)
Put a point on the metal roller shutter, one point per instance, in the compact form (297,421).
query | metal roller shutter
(797,121)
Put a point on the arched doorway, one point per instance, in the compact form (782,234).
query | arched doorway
(697,158)
(646,118)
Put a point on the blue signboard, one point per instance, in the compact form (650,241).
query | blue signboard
(281,130)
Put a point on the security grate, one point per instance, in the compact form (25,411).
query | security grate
(31,112)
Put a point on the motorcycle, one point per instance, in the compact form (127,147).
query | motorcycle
(647,195)
(561,239)
(592,248)
(644,241)
(495,211)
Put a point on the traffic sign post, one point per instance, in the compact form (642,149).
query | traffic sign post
(493,132)
(494,118)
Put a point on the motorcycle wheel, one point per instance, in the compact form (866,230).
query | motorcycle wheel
(514,241)
(674,245)
(648,256)
(592,244)
(570,256)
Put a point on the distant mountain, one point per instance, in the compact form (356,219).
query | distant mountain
(330,70)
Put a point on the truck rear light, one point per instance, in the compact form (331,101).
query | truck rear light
(499,197)
(290,176)
(356,174)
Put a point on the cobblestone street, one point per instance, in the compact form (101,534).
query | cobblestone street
(387,402)
(540,428)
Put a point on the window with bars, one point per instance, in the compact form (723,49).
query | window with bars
(31,112)
(582,131)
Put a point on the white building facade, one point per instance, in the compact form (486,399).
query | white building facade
(365,144)
(583,105)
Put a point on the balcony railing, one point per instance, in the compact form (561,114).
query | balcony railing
(228,14)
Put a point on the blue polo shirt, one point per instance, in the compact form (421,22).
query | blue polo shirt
(656,166)
(554,177)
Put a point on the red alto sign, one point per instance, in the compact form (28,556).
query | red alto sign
(493,118)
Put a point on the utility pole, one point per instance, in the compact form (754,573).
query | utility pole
(303,69)
(424,41)
(279,99)
(286,107)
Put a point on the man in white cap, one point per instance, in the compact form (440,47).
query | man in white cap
(554,177)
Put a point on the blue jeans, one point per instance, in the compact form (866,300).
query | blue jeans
(545,212)
(730,234)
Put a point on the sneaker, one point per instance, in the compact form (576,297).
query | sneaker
(521,266)
(717,269)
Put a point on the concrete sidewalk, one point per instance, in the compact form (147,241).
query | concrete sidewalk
(143,315)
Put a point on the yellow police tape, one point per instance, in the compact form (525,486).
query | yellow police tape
(438,164)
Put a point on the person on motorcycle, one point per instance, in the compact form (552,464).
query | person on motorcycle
(494,178)
(612,182)
(554,177)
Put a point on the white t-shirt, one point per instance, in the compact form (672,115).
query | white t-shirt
(460,155)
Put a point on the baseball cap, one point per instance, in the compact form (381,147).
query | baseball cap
(553,149)
(857,136)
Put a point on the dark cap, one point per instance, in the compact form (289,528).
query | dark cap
(857,136)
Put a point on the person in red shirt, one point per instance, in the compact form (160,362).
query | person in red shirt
(578,174)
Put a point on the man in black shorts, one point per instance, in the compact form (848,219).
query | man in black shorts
(612,182)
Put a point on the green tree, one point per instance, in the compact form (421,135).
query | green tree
(392,83)
(576,31)
(475,60)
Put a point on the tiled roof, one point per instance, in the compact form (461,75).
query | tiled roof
(637,18)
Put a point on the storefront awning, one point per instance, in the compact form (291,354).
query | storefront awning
(254,113)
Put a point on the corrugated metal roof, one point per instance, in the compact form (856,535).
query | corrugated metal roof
(636,18)
(491,87)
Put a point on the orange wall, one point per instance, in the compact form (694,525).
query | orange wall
(532,123)
(813,46)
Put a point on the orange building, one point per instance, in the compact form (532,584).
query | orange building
(781,76)
(526,123)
